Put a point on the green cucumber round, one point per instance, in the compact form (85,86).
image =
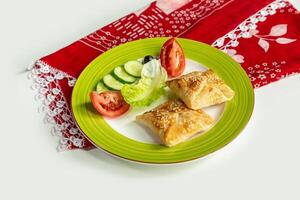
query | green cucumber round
(112,83)
(123,76)
(134,68)
(101,87)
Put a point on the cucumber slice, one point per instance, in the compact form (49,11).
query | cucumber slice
(101,87)
(121,74)
(112,83)
(133,68)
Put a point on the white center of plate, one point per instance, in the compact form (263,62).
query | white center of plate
(129,127)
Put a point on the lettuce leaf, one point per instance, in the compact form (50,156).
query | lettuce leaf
(149,88)
(141,94)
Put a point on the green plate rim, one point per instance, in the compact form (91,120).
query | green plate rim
(194,50)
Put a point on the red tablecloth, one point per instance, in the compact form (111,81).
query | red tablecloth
(262,35)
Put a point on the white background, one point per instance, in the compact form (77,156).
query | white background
(262,163)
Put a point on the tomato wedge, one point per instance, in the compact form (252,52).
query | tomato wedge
(172,57)
(109,103)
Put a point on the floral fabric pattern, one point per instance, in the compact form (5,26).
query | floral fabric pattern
(260,44)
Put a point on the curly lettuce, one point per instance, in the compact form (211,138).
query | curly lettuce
(149,88)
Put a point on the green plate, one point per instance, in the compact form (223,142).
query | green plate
(237,112)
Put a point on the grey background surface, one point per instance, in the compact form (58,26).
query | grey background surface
(262,163)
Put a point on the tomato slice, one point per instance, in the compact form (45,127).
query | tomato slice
(172,57)
(109,103)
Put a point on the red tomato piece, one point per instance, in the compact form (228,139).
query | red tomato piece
(109,103)
(172,57)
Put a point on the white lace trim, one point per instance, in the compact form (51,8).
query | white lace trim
(248,27)
(57,112)
(46,79)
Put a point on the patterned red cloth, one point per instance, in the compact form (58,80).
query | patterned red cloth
(262,35)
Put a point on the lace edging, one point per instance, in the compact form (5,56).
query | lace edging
(53,103)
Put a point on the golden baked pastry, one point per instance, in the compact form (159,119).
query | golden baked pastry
(174,123)
(201,89)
